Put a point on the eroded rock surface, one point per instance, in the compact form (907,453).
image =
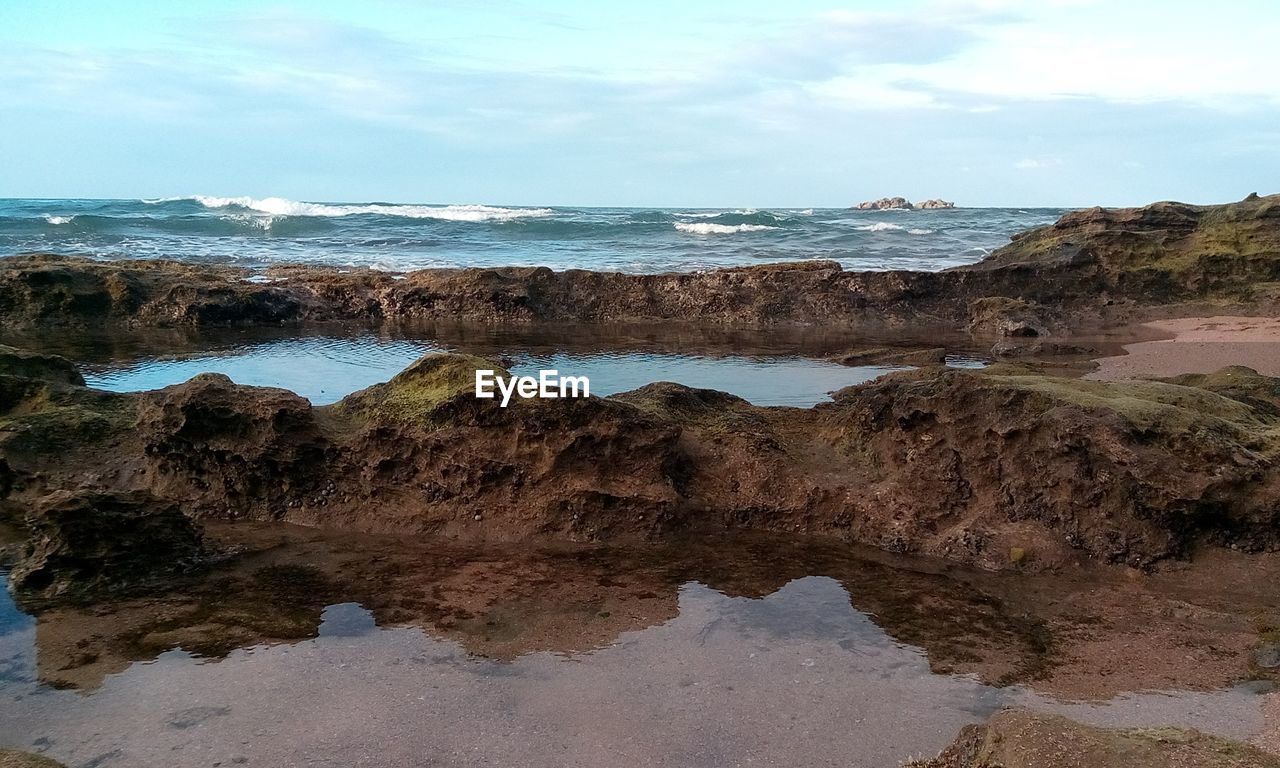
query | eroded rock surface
(1003,467)
(82,543)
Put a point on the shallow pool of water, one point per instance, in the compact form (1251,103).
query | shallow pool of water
(325,369)
(517,658)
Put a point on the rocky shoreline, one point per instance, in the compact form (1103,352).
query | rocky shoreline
(1092,267)
(1008,468)
(1003,467)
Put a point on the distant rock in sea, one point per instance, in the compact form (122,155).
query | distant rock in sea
(885,203)
(902,203)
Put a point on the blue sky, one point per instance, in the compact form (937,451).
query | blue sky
(698,102)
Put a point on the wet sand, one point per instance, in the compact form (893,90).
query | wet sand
(1269,737)
(1198,345)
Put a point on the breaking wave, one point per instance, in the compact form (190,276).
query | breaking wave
(279,206)
(704,228)
(256,232)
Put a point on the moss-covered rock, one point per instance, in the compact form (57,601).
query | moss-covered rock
(1023,739)
(12,758)
(979,462)
(415,394)
(1164,251)
(972,465)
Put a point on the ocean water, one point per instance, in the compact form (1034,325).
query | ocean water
(257,232)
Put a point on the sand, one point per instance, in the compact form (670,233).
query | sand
(1198,345)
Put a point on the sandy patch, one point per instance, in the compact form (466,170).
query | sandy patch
(1198,345)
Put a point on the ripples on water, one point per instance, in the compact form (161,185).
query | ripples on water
(254,232)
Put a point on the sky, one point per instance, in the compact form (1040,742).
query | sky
(657,103)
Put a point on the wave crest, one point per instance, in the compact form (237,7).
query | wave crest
(704,228)
(58,219)
(280,206)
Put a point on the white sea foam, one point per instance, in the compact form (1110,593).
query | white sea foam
(279,206)
(254,220)
(880,226)
(702,228)
(59,219)
(920,231)
(713,214)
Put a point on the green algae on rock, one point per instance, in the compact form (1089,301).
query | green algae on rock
(963,464)
(12,758)
(418,391)
(1024,739)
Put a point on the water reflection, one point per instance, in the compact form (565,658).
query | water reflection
(766,368)
(310,650)
(324,370)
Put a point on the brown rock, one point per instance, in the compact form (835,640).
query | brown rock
(962,464)
(1015,347)
(213,444)
(1011,318)
(892,356)
(91,542)
(32,365)
(1024,739)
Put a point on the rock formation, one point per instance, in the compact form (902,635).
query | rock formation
(81,543)
(1006,468)
(12,758)
(1003,467)
(902,203)
(1023,739)
(886,204)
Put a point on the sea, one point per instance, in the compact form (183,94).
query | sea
(397,237)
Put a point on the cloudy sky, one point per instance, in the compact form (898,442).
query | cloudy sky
(662,102)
